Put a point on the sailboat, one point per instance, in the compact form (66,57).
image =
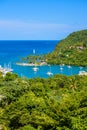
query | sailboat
(33,51)
(49,73)
(9,67)
(69,66)
(61,66)
(35,68)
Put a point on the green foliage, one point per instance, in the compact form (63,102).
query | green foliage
(10,77)
(34,59)
(56,103)
(72,49)
(28,127)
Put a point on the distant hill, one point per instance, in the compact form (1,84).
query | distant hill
(71,50)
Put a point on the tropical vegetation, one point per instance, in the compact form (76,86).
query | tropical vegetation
(71,50)
(56,103)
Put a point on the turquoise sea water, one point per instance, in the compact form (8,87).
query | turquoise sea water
(12,51)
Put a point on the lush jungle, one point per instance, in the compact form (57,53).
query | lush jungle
(71,50)
(56,103)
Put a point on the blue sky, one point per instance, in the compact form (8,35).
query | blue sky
(41,19)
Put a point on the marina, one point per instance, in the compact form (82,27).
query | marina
(45,71)
(5,70)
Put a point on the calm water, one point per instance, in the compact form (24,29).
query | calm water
(12,51)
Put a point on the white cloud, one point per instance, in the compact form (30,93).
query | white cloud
(17,25)
(13,29)
(30,30)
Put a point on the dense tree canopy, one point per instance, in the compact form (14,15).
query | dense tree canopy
(56,103)
(71,50)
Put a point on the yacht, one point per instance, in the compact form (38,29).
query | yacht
(5,69)
(69,66)
(49,73)
(35,69)
(83,73)
(33,51)
(61,68)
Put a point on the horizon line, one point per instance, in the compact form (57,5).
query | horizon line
(28,40)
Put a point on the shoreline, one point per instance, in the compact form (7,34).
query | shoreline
(31,64)
(43,64)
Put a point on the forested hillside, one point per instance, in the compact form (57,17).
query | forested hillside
(71,50)
(56,103)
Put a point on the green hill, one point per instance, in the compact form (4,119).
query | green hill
(71,50)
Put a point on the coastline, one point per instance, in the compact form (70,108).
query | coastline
(31,64)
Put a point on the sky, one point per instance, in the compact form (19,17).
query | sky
(41,19)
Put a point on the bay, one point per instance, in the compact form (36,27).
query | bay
(12,52)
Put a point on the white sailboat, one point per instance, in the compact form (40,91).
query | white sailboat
(9,68)
(6,69)
(35,68)
(61,68)
(49,73)
(33,51)
(83,73)
(69,66)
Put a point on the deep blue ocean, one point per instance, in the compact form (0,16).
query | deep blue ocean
(12,52)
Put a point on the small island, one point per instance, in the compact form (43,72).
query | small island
(33,60)
(31,64)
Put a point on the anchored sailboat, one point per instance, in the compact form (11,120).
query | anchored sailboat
(33,51)
(49,73)
(69,66)
(35,68)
